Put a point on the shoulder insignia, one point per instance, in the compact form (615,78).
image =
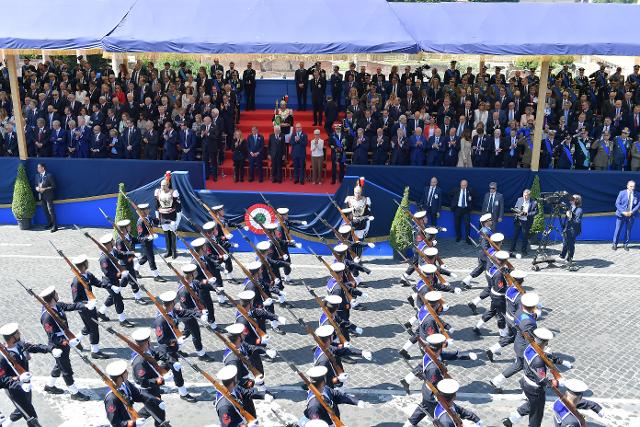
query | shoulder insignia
(141,372)
(48,327)
(226,419)
(111,409)
(158,331)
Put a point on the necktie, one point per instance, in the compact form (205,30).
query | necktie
(464,198)
(630,197)
(430,195)
(490,207)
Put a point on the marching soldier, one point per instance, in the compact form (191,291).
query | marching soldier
(419,219)
(432,258)
(145,375)
(273,265)
(227,412)
(169,343)
(113,281)
(59,344)
(448,389)
(332,397)
(260,315)
(562,416)
(146,237)
(117,412)
(341,254)
(345,231)
(496,238)
(497,293)
(18,386)
(429,271)
(325,334)
(235,333)
(128,257)
(223,239)
(332,304)
(88,313)
(214,283)
(486,222)
(429,371)
(191,325)
(427,324)
(210,229)
(334,288)
(284,243)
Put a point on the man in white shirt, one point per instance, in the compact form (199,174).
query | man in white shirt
(527,209)
(461,201)
(317,157)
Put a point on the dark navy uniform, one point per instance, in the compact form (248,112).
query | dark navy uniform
(116,411)
(250,352)
(126,258)
(111,277)
(89,317)
(428,325)
(346,327)
(260,316)
(512,300)
(57,339)
(525,322)
(497,294)
(168,342)
(228,414)
(334,288)
(332,397)
(320,359)
(146,244)
(482,257)
(563,417)
(145,375)
(205,288)
(444,418)
(258,300)
(188,303)
(533,383)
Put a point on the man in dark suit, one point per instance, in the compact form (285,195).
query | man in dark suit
(493,203)
(480,150)
(461,200)
(380,147)
(298,143)
(318,86)
(210,143)
(131,140)
(170,144)
(435,149)
(302,79)
(627,204)
(277,149)
(58,139)
(10,148)
(45,187)
(338,143)
(150,142)
(98,144)
(527,209)
(571,228)
(331,113)
(432,201)
(255,145)
(249,83)
(336,86)
(187,142)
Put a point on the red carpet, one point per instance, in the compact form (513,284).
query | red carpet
(263,119)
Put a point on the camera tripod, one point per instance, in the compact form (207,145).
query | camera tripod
(542,255)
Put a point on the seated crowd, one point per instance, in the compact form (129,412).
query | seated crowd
(414,117)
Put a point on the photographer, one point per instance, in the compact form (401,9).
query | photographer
(525,210)
(571,228)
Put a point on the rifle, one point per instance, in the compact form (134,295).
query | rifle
(139,212)
(186,284)
(61,323)
(247,273)
(215,245)
(213,215)
(222,390)
(335,275)
(337,234)
(196,258)
(245,361)
(510,280)
(263,259)
(443,402)
(491,243)
(349,273)
(135,347)
(117,229)
(287,232)
(427,349)
(273,241)
(104,250)
(424,278)
(163,312)
(345,219)
(75,272)
(12,362)
(428,261)
(112,386)
(326,312)
(243,311)
(434,315)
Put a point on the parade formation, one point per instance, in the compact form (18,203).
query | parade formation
(197,292)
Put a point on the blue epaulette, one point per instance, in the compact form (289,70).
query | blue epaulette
(493,270)
(512,293)
(422,245)
(491,250)
(437,413)
(226,353)
(530,353)
(524,316)
(323,319)
(317,353)
(560,411)
(426,361)
(419,286)
(331,283)
(423,313)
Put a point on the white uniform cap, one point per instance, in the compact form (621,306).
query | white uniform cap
(530,299)
(227,373)
(123,222)
(448,386)
(431,230)
(9,329)
(316,423)
(79,259)
(282,211)
(436,339)
(141,334)
(117,368)
(338,267)
(254,265)
(324,331)
(208,225)
(497,237)
(106,238)
(217,207)
(340,248)
(168,296)
(431,251)
(317,372)
(247,295)
(344,229)
(199,242)
(235,329)
(502,255)
(189,268)
(333,299)
(576,386)
(347,210)
(433,296)
(543,334)
(270,226)
(485,217)
(420,214)
(143,205)
(428,268)
(263,245)
(47,291)
(518,274)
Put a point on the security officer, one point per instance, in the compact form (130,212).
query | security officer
(497,239)
(235,334)
(448,389)
(191,325)
(332,397)
(169,343)
(562,416)
(88,313)
(430,372)
(128,257)
(18,385)
(227,412)
(486,222)
(117,412)
(427,324)
(59,343)
(146,237)
(498,288)
(113,281)
(149,380)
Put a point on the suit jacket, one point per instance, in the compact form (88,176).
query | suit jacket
(46,181)
(188,141)
(433,205)
(496,209)
(298,148)
(531,212)
(455,197)
(255,144)
(622,203)
(131,136)
(10,144)
(418,151)
(276,147)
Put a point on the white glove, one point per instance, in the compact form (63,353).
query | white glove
(371,245)
(298,245)
(212,281)
(451,330)
(443,266)
(177,366)
(228,236)
(168,376)
(235,245)
(56,352)
(303,223)
(271,353)
(204,317)
(254,423)
(25,377)
(473,355)
(357,260)
(162,406)
(362,404)
(479,423)
(140,421)
(259,380)
(367,355)
(204,312)
(567,364)
(445,308)
(265,339)
(26,387)
(116,289)
(457,290)
(346,344)
(562,381)
(282,320)
(3,420)
(149,238)
(181,341)
(124,274)
(450,341)
(268,302)
(74,342)
(91,304)
(225,257)
(371,217)
(268,398)
(285,257)
(434,242)
(277,281)
(358,330)
(602,413)
(343,377)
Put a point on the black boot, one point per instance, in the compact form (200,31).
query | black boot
(174,245)
(168,241)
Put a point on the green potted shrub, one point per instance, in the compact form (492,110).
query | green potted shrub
(23,204)
(401,233)
(125,211)
(538,221)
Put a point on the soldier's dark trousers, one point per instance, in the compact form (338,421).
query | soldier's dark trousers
(191,325)
(89,318)
(22,399)
(498,308)
(534,405)
(480,267)
(148,255)
(63,367)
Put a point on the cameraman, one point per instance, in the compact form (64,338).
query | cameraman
(525,211)
(572,228)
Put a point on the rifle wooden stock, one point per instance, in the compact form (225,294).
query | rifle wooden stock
(260,255)
(273,241)
(326,312)
(443,402)
(113,259)
(345,219)
(434,357)
(337,235)
(196,258)
(163,312)
(139,212)
(510,280)
(247,273)
(335,275)
(245,314)
(118,230)
(217,220)
(281,220)
(245,361)
(554,371)
(434,315)
(75,272)
(187,285)
(12,362)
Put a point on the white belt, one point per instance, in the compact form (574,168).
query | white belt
(496,293)
(508,316)
(530,382)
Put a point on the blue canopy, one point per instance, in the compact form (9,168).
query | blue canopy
(522,28)
(39,24)
(261,26)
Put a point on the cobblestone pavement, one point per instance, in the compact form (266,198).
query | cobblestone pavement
(592,311)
